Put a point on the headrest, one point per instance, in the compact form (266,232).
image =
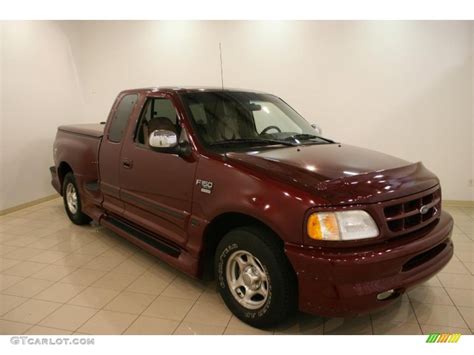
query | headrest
(161,123)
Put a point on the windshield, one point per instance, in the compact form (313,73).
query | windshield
(229,118)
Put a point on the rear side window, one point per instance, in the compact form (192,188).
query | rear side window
(120,119)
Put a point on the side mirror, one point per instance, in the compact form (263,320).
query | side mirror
(318,129)
(162,138)
(167,141)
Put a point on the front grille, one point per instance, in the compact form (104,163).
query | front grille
(406,215)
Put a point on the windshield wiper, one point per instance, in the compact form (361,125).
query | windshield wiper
(252,141)
(306,136)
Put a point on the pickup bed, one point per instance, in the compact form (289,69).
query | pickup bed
(236,185)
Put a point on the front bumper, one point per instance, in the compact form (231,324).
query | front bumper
(343,281)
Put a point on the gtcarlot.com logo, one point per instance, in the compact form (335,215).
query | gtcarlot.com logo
(32,340)
(443,338)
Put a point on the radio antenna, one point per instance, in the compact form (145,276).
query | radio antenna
(222,67)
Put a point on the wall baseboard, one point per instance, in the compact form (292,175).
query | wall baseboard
(458,203)
(28,204)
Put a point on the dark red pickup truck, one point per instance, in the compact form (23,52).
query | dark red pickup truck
(236,184)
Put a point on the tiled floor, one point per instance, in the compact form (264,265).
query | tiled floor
(58,278)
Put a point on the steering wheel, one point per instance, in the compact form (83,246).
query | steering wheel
(269,128)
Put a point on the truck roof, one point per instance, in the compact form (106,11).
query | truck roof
(184,89)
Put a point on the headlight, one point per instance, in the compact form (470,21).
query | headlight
(346,225)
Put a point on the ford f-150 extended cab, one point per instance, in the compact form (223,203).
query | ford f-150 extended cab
(237,185)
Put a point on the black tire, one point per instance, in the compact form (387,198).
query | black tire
(281,283)
(77,216)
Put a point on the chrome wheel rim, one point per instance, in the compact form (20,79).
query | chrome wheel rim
(247,279)
(71,198)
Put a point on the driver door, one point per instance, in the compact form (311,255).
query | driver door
(156,187)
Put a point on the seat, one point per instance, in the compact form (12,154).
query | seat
(227,128)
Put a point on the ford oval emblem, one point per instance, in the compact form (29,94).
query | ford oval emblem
(424,209)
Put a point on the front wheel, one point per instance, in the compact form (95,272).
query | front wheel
(72,201)
(254,277)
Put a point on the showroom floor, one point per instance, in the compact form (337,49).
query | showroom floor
(58,278)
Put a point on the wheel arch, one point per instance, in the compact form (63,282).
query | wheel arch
(218,228)
(63,169)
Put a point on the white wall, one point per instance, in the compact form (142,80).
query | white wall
(116,55)
(1,113)
(404,88)
(39,92)
(472,105)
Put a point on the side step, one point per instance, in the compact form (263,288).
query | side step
(143,236)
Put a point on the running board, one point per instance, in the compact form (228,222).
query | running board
(143,236)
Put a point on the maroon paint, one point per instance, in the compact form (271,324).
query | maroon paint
(170,186)
(280,188)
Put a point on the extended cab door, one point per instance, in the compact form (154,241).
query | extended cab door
(110,149)
(157,186)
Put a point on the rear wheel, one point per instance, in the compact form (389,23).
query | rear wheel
(254,277)
(72,201)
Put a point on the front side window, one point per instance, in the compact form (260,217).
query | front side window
(121,116)
(225,118)
(158,114)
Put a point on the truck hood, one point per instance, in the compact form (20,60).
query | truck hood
(340,174)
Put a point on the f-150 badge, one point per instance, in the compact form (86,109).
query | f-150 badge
(206,186)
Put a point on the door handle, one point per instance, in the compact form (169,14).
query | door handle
(127,164)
